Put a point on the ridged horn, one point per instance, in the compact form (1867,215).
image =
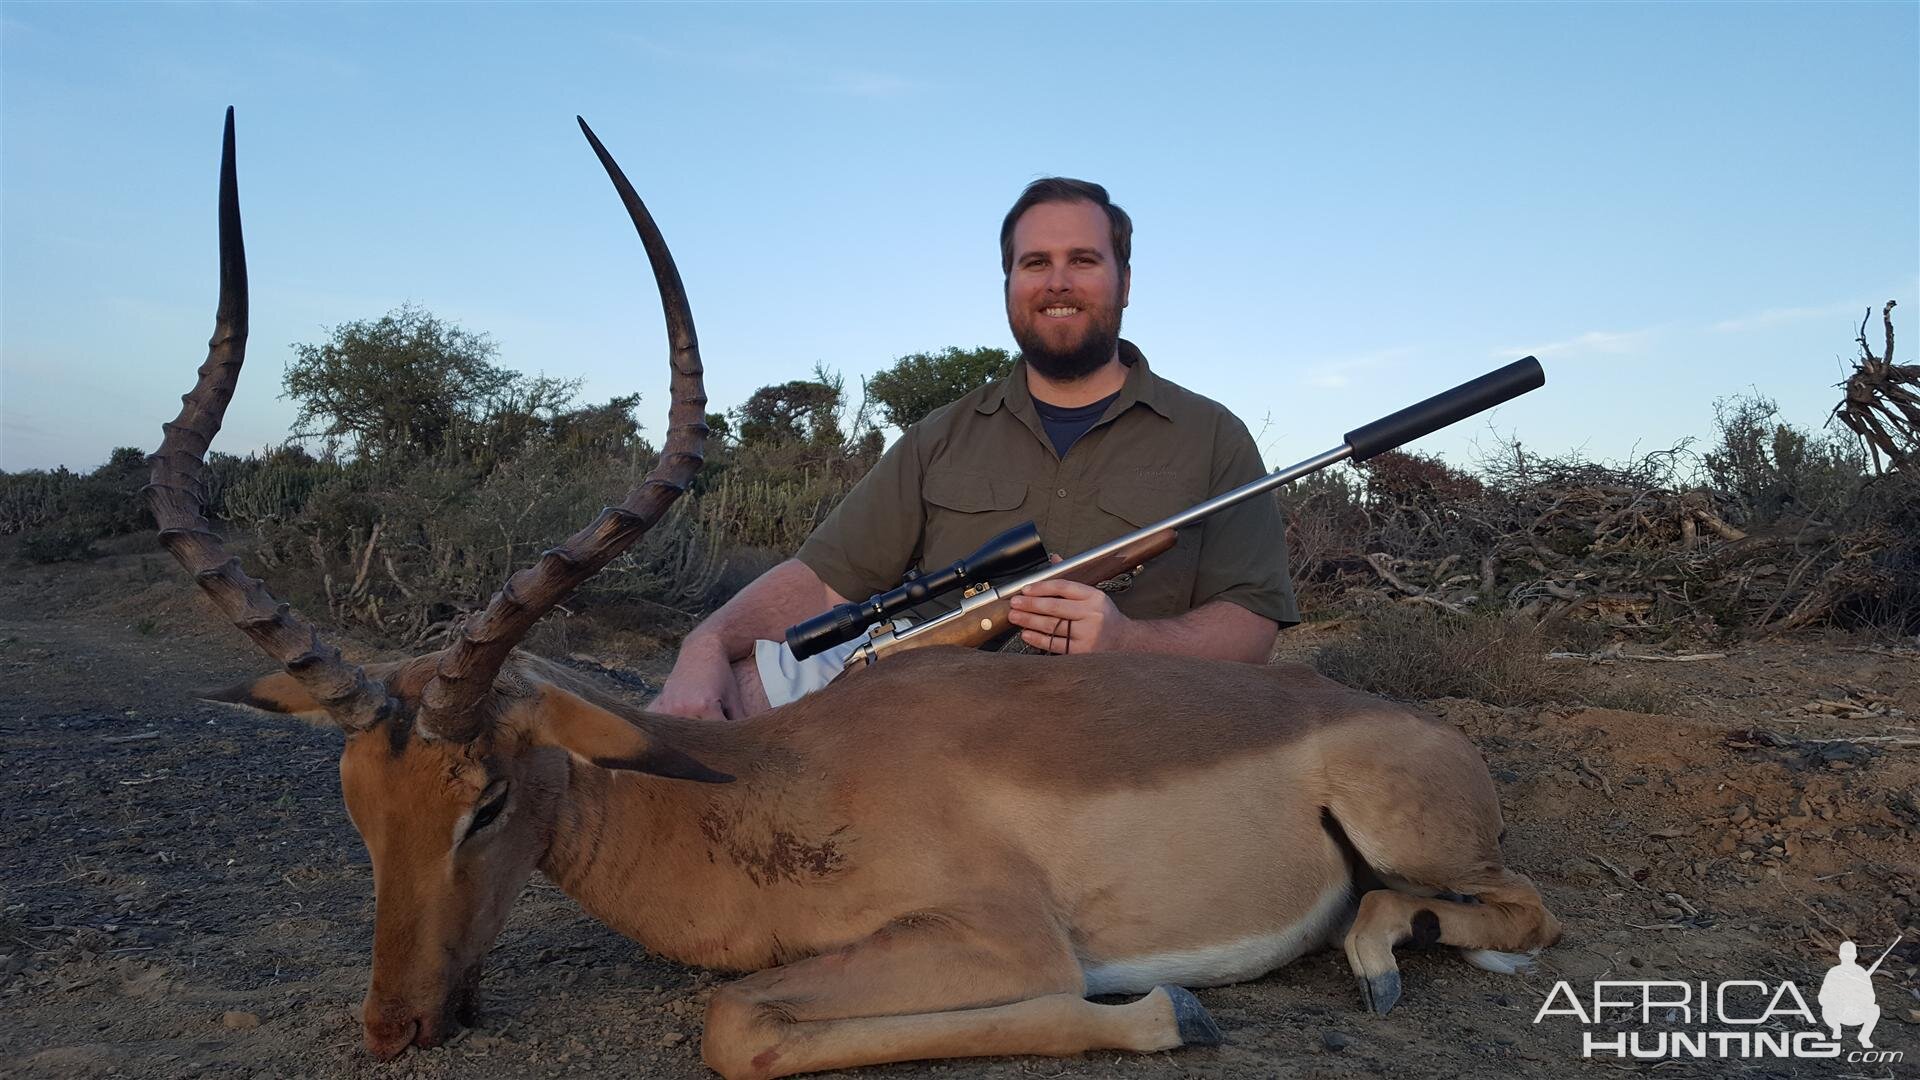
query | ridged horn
(454,703)
(177,497)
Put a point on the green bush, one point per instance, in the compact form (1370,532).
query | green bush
(1773,470)
(33,498)
(58,543)
(260,489)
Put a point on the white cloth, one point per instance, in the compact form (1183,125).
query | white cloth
(786,678)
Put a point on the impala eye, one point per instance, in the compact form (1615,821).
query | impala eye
(484,816)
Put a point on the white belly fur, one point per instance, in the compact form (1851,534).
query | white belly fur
(1231,962)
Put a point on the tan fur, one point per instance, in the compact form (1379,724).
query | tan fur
(905,845)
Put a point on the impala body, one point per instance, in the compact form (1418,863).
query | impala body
(943,856)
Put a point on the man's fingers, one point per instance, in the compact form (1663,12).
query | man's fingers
(1046,624)
(1052,643)
(1056,606)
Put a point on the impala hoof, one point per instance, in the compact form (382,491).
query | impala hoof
(1196,1026)
(1381,992)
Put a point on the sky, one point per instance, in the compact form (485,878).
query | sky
(1339,209)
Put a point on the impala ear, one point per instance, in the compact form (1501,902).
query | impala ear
(276,693)
(282,694)
(610,741)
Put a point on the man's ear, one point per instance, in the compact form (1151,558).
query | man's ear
(565,720)
(1126,284)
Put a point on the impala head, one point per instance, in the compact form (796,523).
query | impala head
(455,762)
(455,827)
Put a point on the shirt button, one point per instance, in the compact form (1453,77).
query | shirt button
(1062,493)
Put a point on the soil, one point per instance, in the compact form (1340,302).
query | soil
(181,893)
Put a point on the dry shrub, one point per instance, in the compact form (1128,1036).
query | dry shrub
(1326,526)
(1416,653)
(403,551)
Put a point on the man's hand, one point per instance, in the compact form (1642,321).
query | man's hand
(702,686)
(1062,616)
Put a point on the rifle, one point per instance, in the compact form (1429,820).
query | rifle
(982,615)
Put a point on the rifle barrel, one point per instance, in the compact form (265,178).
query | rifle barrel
(1447,407)
(1188,516)
(1883,956)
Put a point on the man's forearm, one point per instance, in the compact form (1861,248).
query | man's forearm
(784,595)
(1220,629)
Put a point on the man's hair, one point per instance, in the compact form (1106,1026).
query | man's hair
(1061,189)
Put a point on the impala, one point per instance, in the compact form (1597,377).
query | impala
(943,857)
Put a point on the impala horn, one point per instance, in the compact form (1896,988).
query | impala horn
(177,498)
(453,704)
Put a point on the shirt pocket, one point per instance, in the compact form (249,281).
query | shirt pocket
(966,509)
(1165,586)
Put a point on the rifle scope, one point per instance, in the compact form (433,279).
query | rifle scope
(1012,550)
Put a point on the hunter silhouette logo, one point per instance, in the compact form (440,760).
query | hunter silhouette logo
(1846,994)
(1739,1018)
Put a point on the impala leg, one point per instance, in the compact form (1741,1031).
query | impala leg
(931,986)
(1509,917)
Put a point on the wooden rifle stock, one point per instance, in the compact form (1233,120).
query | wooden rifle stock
(982,618)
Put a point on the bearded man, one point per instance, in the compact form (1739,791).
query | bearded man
(1082,439)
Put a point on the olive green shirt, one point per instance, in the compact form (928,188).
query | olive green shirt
(983,464)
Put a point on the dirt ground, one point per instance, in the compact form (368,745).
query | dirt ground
(181,892)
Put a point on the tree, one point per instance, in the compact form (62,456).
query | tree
(918,384)
(609,428)
(398,384)
(804,411)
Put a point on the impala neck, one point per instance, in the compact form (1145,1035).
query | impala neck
(687,869)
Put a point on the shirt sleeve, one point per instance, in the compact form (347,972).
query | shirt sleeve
(1243,550)
(869,540)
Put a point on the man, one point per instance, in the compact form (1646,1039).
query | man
(1082,439)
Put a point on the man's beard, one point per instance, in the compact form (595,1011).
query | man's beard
(1095,347)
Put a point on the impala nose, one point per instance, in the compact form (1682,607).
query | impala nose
(390,1028)
(388,1039)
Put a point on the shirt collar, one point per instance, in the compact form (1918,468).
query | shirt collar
(1142,386)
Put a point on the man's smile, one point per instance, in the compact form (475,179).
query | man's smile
(1060,311)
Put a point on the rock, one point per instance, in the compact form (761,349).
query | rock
(234,1020)
(672,1038)
(1333,1041)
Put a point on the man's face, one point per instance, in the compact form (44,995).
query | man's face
(1065,291)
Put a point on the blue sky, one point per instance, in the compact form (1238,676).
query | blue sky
(1339,209)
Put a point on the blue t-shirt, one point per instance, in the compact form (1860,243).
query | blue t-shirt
(1065,426)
